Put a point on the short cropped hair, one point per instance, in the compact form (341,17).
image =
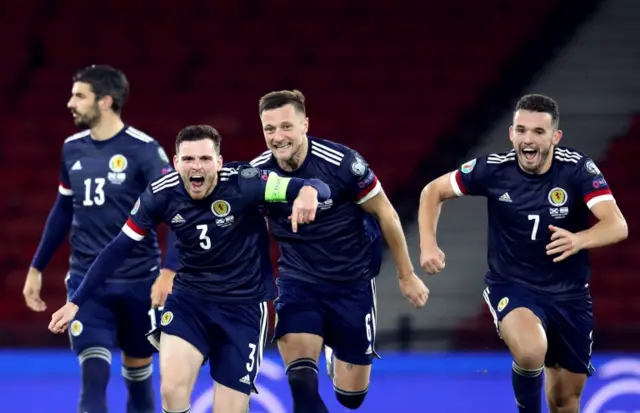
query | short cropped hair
(194,133)
(106,81)
(541,104)
(275,100)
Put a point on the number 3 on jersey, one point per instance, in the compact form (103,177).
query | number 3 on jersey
(93,191)
(205,241)
(536,223)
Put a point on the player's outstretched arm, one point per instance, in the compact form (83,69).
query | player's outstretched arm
(432,259)
(104,265)
(411,285)
(55,231)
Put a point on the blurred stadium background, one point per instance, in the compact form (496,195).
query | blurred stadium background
(417,86)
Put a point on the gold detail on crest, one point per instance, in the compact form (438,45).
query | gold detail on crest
(220,208)
(557,197)
(118,163)
(167,317)
(76,328)
(503,303)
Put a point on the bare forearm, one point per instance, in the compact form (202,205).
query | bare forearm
(429,214)
(605,232)
(391,228)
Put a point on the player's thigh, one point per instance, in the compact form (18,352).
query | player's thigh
(299,327)
(237,349)
(351,333)
(570,335)
(135,318)
(563,389)
(520,322)
(180,362)
(95,324)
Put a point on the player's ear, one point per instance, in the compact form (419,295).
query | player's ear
(557,136)
(175,162)
(105,102)
(219,162)
(511,133)
(305,125)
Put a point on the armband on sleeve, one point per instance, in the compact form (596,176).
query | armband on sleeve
(276,188)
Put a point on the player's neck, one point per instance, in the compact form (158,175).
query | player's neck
(297,159)
(107,128)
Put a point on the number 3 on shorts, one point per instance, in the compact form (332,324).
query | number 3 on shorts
(252,358)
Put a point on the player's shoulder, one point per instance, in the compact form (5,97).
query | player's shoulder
(166,184)
(568,157)
(330,152)
(137,136)
(492,162)
(77,138)
(230,170)
(264,160)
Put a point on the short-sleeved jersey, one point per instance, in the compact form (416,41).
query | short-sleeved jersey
(521,207)
(343,244)
(221,239)
(105,178)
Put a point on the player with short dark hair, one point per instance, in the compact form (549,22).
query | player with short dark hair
(104,168)
(218,307)
(539,196)
(327,269)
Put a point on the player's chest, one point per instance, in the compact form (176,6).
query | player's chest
(216,217)
(549,200)
(110,170)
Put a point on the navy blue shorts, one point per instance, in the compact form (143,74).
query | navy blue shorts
(118,315)
(344,317)
(230,335)
(568,324)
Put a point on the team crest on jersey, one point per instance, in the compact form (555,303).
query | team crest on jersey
(163,155)
(220,208)
(592,168)
(118,163)
(136,207)
(557,197)
(76,328)
(468,167)
(503,303)
(167,317)
(358,167)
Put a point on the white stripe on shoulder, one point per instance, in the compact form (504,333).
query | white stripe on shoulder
(226,173)
(138,134)
(261,159)
(167,181)
(77,136)
(496,158)
(328,154)
(565,158)
(568,154)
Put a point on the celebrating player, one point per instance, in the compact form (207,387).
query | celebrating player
(104,168)
(218,308)
(327,270)
(539,196)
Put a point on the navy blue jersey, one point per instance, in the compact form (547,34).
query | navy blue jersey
(105,179)
(221,240)
(343,244)
(521,207)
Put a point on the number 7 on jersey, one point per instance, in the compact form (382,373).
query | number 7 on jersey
(536,222)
